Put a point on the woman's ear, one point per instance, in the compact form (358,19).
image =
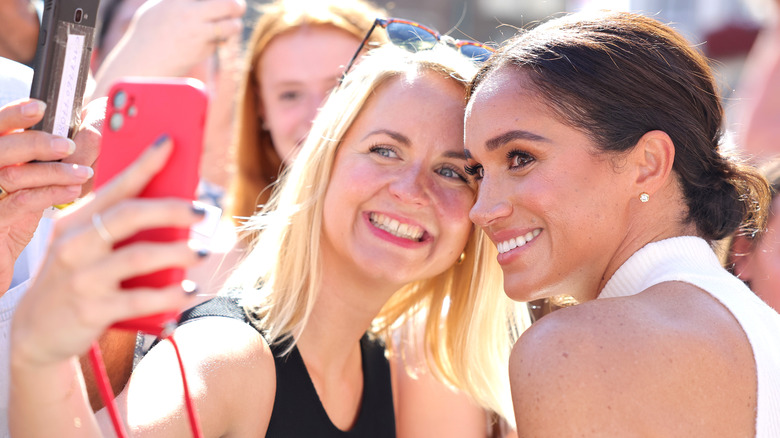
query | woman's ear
(654,157)
(740,256)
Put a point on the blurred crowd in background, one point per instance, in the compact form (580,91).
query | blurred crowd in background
(726,30)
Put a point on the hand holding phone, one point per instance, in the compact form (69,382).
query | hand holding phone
(139,111)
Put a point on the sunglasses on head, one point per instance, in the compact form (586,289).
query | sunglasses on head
(415,37)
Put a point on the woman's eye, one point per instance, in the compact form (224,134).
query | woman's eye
(519,159)
(289,95)
(383,151)
(477,171)
(451,172)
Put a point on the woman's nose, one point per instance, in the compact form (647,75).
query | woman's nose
(492,204)
(410,186)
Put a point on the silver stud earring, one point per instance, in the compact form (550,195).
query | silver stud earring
(644,197)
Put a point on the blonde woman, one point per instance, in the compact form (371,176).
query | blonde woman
(367,239)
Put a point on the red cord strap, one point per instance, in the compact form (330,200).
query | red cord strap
(107,394)
(104,386)
(191,411)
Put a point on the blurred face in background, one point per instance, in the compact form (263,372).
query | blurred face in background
(759,265)
(296,72)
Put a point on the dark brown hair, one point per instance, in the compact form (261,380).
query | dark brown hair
(617,76)
(771,170)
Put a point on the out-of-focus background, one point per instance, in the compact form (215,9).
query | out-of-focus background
(724,29)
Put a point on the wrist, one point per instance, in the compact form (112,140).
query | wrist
(48,383)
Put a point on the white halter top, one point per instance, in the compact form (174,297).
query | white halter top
(691,260)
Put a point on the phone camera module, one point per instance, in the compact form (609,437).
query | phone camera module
(79,15)
(120,99)
(116,122)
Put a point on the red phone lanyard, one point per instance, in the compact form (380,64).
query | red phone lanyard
(107,394)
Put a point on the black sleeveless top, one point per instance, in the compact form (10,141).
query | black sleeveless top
(297,410)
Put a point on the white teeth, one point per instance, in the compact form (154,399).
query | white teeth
(392,226)
(515,242)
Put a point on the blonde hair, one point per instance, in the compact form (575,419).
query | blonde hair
(469,323)
(256,162)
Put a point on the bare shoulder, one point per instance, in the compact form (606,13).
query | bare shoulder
(639,365)
(230,373)
(228,340)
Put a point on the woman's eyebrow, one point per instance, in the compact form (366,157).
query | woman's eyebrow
(397,136)
(458,155)
(500,140)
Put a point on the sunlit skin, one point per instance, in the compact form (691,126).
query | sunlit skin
(542,179)
(391,166)
(296,72)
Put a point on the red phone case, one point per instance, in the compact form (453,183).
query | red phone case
(139,111)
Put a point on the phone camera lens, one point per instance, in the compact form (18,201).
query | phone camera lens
(120,99)
(116,122)
(79,15)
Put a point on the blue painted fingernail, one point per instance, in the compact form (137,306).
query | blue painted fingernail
(161,140)
(198,209)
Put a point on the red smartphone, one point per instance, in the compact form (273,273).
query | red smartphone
(139,111)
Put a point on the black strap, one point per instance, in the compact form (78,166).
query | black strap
(217,306)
